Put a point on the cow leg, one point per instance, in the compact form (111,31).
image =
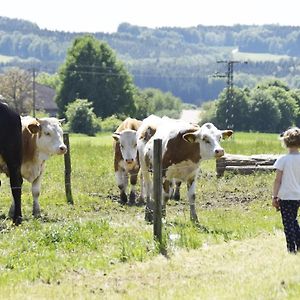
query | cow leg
(149,203)
(16,181)
(133,181)
(35,190)
(166,196)
(176,194)
(122,182)
(191,187)
(141,199)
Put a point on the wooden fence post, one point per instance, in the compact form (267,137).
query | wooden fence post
(68,169)
(157,190)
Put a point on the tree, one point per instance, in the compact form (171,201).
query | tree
(92,72)
(287,105)
(49,80)
(234,111)
(264,111)
(16,88)
(81,118)
(153,101)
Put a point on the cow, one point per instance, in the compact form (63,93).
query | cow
(11,154)
(41,139)
(145,132)
(126,162)
(184,146)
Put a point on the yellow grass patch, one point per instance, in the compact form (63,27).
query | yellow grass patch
(257,268)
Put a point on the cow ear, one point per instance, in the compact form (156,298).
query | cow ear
(190,137)
(226,134)
(34,127)
(61,121)
(116,136)
(148,133)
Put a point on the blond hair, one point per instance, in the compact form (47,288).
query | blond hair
(291,137)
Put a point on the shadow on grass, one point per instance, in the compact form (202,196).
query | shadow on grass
(201,228)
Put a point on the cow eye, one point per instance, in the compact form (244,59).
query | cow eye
(206,140)
(47,133)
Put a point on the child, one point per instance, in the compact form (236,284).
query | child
(286,188)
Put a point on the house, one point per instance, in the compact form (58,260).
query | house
(44,99)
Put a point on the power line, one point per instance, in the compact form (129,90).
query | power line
(229,91)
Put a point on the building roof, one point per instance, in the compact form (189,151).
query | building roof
(44,98)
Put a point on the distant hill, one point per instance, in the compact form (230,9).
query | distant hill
(180,60)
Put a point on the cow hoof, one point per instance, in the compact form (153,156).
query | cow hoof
(17,221)
(195,220)
(123,198)
(148,215)
(140,201)
(132,198)
(36,215)
(163,213)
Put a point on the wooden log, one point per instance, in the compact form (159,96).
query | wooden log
(248,164)
(249,169)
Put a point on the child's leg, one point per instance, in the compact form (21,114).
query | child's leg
(297,227)
(288,209)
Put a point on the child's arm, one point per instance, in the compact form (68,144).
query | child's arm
(276,186)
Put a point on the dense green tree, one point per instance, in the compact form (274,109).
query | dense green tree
(91,71)
(153,101)
(287,105)
(49,80)
(81,118)
(233,111)
(295,94)
(264,111)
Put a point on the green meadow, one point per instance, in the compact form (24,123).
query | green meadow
(99,249)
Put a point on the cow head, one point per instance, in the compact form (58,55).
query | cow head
(208,137)
(128,145)
(49,135)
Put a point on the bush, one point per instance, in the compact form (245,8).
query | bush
(110,124)
(81,118)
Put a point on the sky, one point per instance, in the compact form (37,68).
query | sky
(106,15)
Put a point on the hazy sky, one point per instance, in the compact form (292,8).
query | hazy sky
(106,15)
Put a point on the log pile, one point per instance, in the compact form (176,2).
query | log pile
(243,164)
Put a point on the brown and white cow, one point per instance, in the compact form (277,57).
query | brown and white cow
(42,138)
(126,159)
(184,146)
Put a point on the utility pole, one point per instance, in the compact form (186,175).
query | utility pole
(229,91)
(33,92)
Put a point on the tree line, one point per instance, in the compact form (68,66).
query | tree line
(93,84)
(271,106)
(180,60)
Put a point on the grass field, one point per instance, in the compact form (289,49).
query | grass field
(259,56)
(5,59)
(98,249)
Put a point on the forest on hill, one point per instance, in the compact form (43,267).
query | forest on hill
(180,60)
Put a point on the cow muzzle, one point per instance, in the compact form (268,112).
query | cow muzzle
(62,149)
(130,164)
(219,153)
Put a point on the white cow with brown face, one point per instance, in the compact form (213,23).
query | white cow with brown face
(42,138)
(184,146)
(126,161)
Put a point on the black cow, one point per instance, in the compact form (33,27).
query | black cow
(11,154)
